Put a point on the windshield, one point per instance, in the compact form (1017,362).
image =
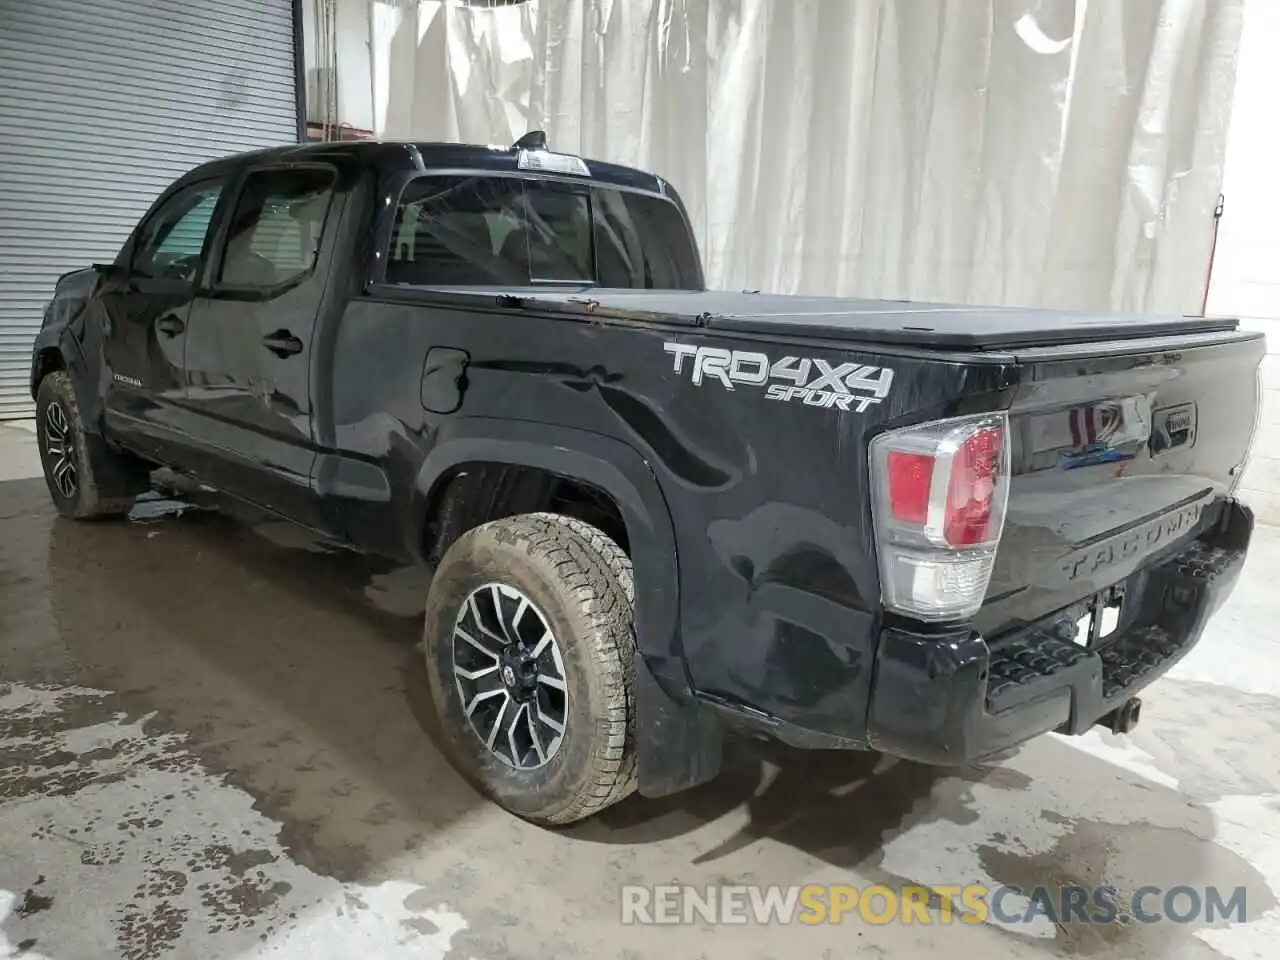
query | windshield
(508,231)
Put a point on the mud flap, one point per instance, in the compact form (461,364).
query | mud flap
(118,476)
(679,745)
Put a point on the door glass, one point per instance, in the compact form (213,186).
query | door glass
(277,227)
(173,238)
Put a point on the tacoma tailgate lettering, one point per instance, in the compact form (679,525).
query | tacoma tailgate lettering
(1147,537)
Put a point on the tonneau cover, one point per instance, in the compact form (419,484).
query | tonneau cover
(899,322)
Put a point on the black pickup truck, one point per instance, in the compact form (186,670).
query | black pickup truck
(660,515)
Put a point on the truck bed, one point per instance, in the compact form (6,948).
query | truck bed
(890,322)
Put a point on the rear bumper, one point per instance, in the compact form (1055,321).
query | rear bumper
(957,698)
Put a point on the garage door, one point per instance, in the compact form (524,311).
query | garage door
(101,106)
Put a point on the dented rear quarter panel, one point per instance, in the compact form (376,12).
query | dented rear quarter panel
(777,579)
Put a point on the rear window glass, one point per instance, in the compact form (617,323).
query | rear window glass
(506,231)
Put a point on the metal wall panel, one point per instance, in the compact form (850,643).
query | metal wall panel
(102,105)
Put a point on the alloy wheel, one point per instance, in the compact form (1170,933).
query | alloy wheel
(60,446)
(509,672)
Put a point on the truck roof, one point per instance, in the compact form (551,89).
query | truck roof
(409,157)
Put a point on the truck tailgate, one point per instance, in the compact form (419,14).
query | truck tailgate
(1118,450)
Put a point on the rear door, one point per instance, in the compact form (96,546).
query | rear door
(251,337)
(147,300)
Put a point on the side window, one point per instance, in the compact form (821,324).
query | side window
(276,228)
(478,231)
(171,240)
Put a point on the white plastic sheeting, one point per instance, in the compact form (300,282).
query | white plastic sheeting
(1002,151)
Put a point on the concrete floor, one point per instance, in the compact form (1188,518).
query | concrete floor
(215,742)
(19,457)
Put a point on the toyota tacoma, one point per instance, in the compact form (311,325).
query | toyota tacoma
(660,515)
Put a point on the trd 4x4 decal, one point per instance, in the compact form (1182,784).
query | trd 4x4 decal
(813,381)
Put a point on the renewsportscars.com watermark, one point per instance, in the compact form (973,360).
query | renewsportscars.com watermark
(815,904)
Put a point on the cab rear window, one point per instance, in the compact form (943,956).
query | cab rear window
(509,231)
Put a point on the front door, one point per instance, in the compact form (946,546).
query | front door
(146,301)
(250,339)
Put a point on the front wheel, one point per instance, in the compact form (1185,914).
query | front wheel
(69,470)
(529,645)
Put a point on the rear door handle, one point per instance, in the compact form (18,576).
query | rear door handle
(170,326)
(282,343)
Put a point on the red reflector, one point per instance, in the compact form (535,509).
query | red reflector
(971,490)
(910,476)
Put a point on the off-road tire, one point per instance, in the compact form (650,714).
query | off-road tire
(581,582)
(89,499)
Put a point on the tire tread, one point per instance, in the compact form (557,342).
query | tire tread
(599,574)
(593,576)
(90,501)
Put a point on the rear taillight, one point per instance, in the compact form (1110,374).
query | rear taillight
(939,492)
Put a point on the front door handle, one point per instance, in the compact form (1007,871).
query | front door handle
(170,326)
(282,343)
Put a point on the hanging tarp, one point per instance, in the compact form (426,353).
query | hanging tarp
(1013,151)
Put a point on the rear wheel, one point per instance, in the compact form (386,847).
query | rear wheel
(69,470)
(529,644)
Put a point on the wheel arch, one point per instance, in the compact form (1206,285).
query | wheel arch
(44,361)
(56,348)
(604,464)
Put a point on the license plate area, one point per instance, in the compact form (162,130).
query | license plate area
(1100,618)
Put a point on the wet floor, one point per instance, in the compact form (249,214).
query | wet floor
(216,741)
